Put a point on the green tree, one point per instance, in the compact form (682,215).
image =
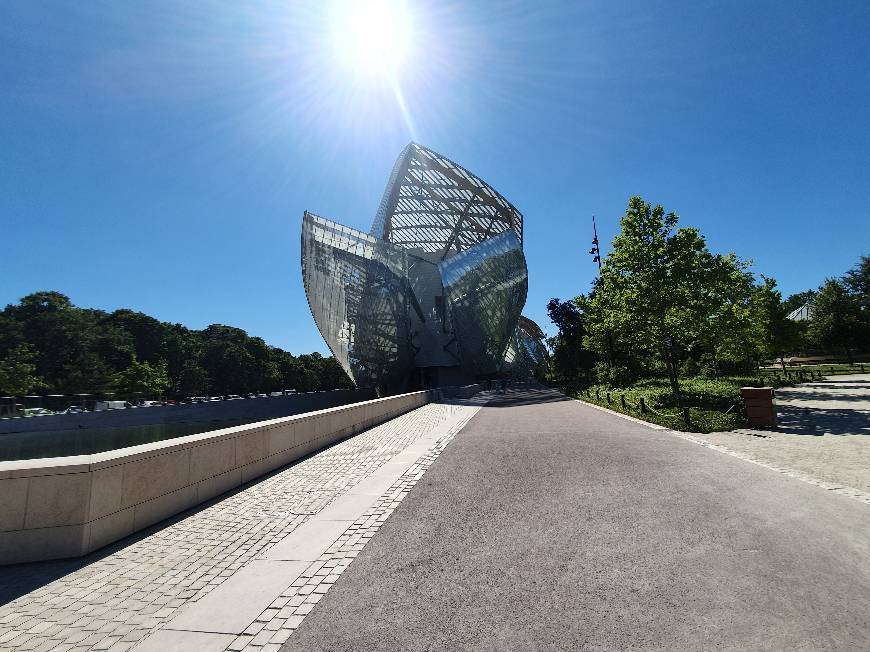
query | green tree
(775,333)
(142,379)
(18,372)
(192,380)
(662,292)
(837,323)
(857,279)
(226,359)
(65,339)
(77,350)
(570,360)
(332,375)
(147,335)
(725,316)
(264,374)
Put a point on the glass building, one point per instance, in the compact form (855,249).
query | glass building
(433,295)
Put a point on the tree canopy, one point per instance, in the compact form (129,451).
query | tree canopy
(664,304)
(570,360)
(663,295)
(47,344)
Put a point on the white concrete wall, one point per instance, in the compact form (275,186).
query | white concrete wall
(69,506)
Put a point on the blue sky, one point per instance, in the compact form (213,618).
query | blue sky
(159,155)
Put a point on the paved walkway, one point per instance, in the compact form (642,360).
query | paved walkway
(824,432)
(238,573)
(548,524)
(545,524)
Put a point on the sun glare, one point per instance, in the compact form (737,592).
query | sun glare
(372,37)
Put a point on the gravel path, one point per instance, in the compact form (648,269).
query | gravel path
(824,432)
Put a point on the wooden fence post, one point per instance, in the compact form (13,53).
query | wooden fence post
(622,400)
(642,405)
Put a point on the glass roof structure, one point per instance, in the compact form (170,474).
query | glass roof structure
(436,205)
(433,294)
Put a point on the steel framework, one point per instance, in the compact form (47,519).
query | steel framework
(438,283)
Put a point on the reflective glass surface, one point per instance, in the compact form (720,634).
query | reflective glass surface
(437,285)
(485,290)
(357,288)
(526,355)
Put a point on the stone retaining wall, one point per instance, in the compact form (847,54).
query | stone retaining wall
(69,506)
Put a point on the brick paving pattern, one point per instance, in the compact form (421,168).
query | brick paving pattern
(277,623)
(114,598)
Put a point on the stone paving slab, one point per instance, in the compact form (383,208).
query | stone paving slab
(117,597)
(308,541)
(823,433)
(236,603)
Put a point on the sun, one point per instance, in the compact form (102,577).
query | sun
(372,37)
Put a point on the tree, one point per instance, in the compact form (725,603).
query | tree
(726,318)
(857,279)
(662,292)
(142,379)
(78,350)
(192,380)
(18,372)
(838,323)
(332,376)
(776,334)
(570,361)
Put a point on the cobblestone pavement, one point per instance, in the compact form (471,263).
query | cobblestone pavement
(823,433)
(276,624)
(112,599)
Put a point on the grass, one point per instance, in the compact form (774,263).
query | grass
(713,404)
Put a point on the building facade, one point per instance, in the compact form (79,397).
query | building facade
(433,294)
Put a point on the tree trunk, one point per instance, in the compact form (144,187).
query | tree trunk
(675,383)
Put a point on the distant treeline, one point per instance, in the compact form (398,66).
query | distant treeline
(50,346)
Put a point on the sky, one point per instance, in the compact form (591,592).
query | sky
(159,155)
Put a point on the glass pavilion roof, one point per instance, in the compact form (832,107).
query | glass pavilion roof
(439,283)
(434,204)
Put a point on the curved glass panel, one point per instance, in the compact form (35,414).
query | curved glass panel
(526,355)
(358,292)
(485,289)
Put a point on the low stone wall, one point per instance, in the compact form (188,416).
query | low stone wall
(66,507)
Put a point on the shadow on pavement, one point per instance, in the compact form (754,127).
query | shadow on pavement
(820,395)
(20,579)
(515,397)
(806,421)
